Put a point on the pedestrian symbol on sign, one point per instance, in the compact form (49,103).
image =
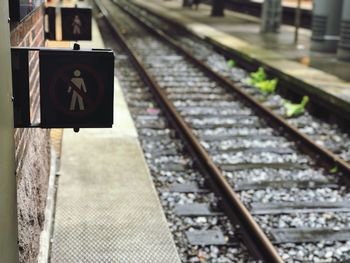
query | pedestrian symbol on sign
(76,25)
(77,84)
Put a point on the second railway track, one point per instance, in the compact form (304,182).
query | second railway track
(332,135)
(302,209)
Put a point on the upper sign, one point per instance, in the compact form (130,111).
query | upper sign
(76,23)
(76,88)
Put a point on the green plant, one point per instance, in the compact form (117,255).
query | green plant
(296,109)
(258,76)
(267,86)
(231,63)
(334,170)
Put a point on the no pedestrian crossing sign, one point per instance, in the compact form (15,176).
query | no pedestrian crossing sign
(76,88)
(76,23)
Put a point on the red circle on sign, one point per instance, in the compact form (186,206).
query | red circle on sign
(61,75)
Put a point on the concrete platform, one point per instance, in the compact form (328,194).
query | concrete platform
(317,74)
(305,4)
(107,207)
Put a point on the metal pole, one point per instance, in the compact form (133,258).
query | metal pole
(8,196)
(271,16)
(297,21)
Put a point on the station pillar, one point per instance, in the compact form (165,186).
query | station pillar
(271,16)
(218,7)
(326,16)
(343,52)
(8,197)
(185,3)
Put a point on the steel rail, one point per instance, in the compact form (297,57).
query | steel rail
(323,156)
(255,239)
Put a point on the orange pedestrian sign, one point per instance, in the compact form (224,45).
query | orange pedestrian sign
(75,23)
(76,88)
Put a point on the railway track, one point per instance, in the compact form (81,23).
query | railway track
(302,209)
(193,211)
(200,228)
(330,135)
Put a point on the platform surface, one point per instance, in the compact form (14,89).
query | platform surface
(321,74)
(304,4)
(107,207)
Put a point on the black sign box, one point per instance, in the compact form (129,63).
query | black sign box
(76,23)
(20,87)
(76,88)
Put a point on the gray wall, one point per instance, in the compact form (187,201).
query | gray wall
(8,217)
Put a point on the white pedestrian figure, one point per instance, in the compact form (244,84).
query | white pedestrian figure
(76,25)
(79,84)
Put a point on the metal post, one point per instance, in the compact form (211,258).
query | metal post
(271,16)
(326,17)
(8,197)
(297,21)
(343,52)
(217,8)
